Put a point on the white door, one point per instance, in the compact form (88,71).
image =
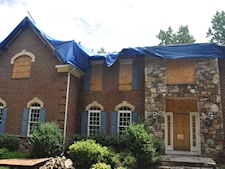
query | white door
(182,133)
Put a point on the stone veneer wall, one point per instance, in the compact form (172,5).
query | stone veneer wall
(206,89)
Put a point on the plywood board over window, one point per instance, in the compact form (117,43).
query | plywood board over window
(181,105)
(180,71)
(21,67)
(125,74)
(96,76)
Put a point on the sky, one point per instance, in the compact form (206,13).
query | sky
(111,24)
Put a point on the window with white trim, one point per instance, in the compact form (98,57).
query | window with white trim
(1,110)
(124,119)
(94,119)
(34,117)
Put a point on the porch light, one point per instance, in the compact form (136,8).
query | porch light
(213,109)
(210,115)
(154,115)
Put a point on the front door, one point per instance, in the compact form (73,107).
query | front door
(182,133)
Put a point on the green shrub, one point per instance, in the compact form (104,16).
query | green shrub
(85,153)
(10,142)
(123,159)
(100,166)
(140,143)
(118,142)
(14,154)
(46,140)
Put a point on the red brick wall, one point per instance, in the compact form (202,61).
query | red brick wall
(110,96)
(222,86)
(44,82)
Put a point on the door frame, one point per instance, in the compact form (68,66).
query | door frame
(194,150)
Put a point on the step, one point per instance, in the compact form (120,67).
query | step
(188,161)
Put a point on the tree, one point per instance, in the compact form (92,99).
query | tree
(217,30)
(181,37)
(101,50)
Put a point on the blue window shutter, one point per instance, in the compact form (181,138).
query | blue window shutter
(114,121)
(135,78)
(87,79)
(103,122)
(134,117)
(25,122)
(84,121)
(3,122)
(42,115)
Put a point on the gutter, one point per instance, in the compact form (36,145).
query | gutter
(66,108)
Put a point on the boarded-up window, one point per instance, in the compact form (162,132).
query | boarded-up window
(180,71)
(96,77)
(21,67)
(125,74)
(181,105)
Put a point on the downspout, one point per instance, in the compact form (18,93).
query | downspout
(66,108)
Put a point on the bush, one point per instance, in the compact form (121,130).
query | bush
(14,154)
(9,142)
(141,146)
(123,159)
(118,142)
(46,140)
(85,153)
(100,166)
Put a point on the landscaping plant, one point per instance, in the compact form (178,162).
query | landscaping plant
(86,153)
(46,140)
(9,142)
(100,166)
(140,143)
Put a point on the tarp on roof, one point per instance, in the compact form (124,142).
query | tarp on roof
(69,52)
(78,55)
(197,50)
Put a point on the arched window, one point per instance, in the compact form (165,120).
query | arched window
(93,119)
(122,117)
(33,114)
(3,116)
(22,64)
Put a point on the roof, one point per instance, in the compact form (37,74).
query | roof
(69,52)
(78,55)
(197,50)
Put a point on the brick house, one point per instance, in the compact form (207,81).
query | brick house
(39,83)
(35,83)
(181,98)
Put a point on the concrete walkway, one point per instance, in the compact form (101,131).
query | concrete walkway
(187,162)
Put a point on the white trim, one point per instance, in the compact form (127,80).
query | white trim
(94,104)
(29,118)
(22,53)
(66,108)
(169,147)
(3,102)
(75,71)
(89,112)
(35,100)
(124,104)
(194,150)
(118,119)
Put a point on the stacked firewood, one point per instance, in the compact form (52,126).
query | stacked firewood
(59,163)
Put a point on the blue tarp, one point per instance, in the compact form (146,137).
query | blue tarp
(69,52)
(197,50)
(78,55)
